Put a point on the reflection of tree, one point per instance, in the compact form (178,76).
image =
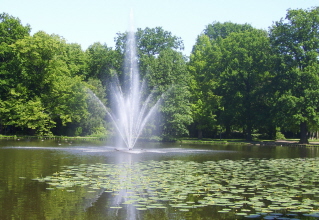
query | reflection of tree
(60,204)
(125,178)
(22,198)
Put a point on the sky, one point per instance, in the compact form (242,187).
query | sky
(88,21)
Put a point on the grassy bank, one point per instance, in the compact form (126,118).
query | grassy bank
(21,137)
(286,142)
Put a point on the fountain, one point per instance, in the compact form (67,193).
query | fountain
(129,111)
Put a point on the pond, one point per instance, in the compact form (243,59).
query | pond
(51,179)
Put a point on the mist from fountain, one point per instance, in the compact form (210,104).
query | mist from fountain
(129,110)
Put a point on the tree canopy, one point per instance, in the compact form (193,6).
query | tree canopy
(295,41)
(238,81)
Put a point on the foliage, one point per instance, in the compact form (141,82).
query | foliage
(246,59)
(295,40)
(222,30)
(230,65)
(164,67)
(101,61)
(11,30)
(203,83)
(46,85)
(169,75)
(95,123)
(151,41)
(26,114)
(236,79)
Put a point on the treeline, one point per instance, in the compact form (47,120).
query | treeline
(47,85)
(238,80)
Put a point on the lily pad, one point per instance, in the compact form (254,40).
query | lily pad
(253,185)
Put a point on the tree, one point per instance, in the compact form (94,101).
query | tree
(41,56)
(101,61)
(46,84)
(295,40)
(222,30)
(168,74)
(66,103)
(203,100)
(76,59)
(246,59)
(164,67)
(11,30)
(231,66)
(151,41)
(20,112)
(95,122)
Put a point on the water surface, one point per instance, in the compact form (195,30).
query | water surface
(21,161)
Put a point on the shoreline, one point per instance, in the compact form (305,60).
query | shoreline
(292,143)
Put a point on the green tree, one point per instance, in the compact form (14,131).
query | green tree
(151,41)
(168,74)
(164,67)
(222,30)
(246,57)
(95,122)
(203,83)
(25,114)
(47,80)
(295,40)
(11,30)
(66,103)
(206,66)
(41,56)
(76,59)
(102,60)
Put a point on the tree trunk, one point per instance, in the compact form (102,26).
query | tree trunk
(228,131)
(303,133)
(249,136)
(200,134)
(249,133)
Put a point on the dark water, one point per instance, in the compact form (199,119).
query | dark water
(23,160)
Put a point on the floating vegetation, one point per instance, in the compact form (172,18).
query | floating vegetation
(252,188)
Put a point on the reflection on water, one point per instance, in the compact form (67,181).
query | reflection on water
(22,161)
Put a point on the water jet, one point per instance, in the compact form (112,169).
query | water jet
(130,108)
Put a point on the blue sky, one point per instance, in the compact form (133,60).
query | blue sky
(88,21)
